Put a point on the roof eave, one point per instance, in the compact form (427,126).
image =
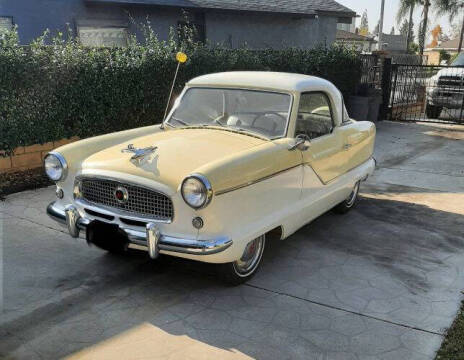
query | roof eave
(350,14)
(309,14)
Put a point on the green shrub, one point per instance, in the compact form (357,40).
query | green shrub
(50,92)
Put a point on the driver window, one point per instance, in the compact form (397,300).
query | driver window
(314,115)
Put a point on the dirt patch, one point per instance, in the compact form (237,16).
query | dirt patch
(452,347)
(14,182)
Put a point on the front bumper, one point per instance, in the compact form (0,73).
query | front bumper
(150,240)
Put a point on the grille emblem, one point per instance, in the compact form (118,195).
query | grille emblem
(121,194)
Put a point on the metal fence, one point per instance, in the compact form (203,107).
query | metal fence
(427,93)
(371,71)
(409,59)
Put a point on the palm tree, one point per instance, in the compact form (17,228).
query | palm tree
(406,6)
(451,8)
(423,29)
(409,5)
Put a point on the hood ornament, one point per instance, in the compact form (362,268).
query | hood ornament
(139,154)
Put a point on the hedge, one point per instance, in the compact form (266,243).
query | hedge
(55,91)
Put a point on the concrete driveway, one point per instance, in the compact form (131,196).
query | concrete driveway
(382,282)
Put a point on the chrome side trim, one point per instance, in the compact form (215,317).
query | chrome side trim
(249,183)
(165,243)
(335,178)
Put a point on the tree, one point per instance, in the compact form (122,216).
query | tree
(413,48)
(423,29)
(421,38)
(455,30)
(444,56)
(364,27)
(443,37)
(392,31)
(376,29)
(407,7)
(436,33)
(452,8)
(405,28)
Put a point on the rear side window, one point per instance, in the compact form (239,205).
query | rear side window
(314,115)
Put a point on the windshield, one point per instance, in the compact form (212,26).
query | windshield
(459,61)
(261,112)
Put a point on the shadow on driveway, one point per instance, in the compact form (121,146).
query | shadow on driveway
(383,279)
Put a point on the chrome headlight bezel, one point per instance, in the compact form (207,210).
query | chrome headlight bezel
(59,160)
(205,189)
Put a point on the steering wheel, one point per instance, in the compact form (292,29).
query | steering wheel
(273,121)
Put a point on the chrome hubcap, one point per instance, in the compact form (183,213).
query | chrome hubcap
(251,257)
(352,198)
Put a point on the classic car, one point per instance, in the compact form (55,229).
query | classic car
(240,155)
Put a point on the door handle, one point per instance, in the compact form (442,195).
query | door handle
(347,146)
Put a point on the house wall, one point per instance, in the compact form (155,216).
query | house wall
(434,56)
(33,17)
(268,30)
(348,27)
(231,28)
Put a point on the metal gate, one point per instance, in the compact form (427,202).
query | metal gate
(427,93)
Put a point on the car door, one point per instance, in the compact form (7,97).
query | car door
(358,143)
(322,160)
(315,122)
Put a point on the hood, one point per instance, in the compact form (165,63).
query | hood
(179,153)
(455,72)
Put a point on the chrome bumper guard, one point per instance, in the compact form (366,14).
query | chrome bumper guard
(150,240)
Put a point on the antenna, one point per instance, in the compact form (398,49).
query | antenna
(181,59)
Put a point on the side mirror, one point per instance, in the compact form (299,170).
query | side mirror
(300,143)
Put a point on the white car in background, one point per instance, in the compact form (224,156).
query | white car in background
(446,89)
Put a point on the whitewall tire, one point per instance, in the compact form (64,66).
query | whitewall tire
(350,201)
(240,271)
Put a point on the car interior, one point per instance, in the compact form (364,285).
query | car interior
(314,116)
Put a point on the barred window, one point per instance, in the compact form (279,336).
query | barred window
(103,36)
(6,23)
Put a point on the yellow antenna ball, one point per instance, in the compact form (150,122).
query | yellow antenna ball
(181,57)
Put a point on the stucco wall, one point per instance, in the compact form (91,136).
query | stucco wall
(33,17)
(265,30)
(257,30)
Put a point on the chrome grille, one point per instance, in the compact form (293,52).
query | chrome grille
(141,201)
(450,81)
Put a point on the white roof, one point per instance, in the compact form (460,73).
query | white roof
(262,80)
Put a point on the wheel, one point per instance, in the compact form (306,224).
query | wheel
(242,270)
(348,204)
(432,111)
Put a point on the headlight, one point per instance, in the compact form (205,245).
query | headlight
(55,166)
(196,191)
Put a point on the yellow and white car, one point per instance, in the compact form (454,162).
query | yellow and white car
(240,155)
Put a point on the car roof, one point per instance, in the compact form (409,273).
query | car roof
(277,81)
